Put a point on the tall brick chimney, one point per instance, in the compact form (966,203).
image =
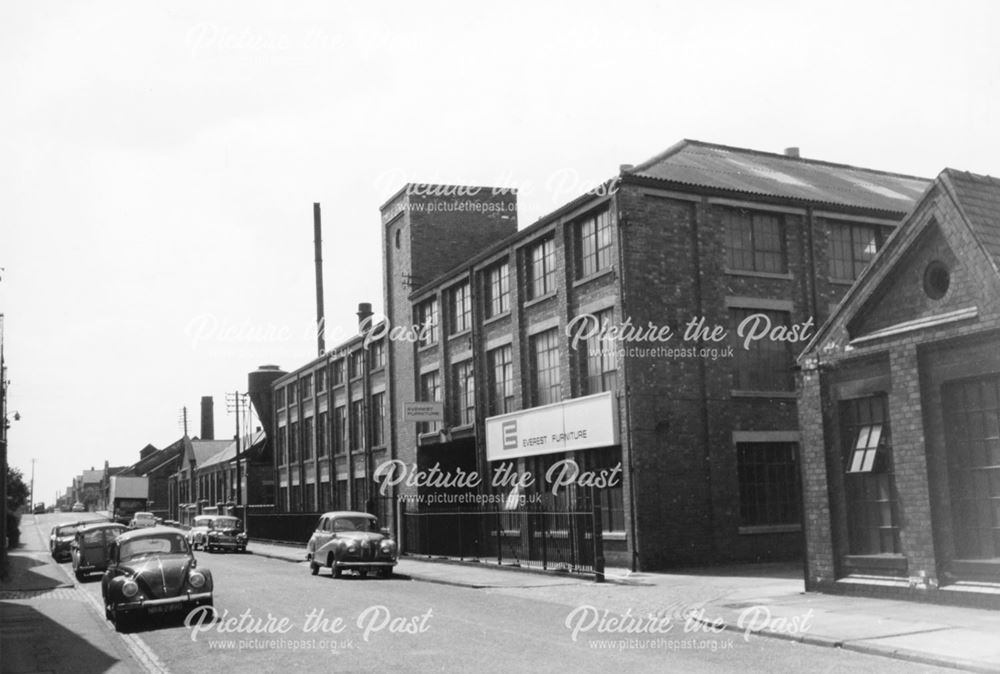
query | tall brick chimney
(207,418)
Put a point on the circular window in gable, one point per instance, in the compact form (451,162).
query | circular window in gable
(937,279)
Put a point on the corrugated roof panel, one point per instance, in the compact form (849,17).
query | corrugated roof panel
(762,173)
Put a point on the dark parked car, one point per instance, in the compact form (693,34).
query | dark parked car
(225,533)
(152,570)
(91,546)
(351,540)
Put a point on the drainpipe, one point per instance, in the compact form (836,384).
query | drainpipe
(626,446)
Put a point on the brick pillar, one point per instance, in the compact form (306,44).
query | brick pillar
(910,463)
(820,569)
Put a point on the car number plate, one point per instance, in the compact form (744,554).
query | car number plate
(162,608)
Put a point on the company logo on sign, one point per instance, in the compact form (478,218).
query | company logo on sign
(509,430)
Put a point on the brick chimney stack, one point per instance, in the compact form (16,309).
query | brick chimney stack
(207,418)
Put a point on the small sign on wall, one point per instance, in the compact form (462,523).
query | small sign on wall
(420,411)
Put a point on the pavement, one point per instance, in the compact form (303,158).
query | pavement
(46,624)
(755,601)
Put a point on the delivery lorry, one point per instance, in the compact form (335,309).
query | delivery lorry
(127,496)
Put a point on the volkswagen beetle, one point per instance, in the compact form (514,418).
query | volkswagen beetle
(152,570)
(351,540)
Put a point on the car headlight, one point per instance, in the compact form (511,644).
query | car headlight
(196,579)
(388,546)
(352,548)
(129,588)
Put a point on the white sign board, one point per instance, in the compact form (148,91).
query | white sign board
(580,423)
(418,411)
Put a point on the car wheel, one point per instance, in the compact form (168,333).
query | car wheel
(337,572)
(80,575)
(314,568)
(363,573)
(386,572)
(121,620)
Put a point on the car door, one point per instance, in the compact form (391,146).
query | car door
(323,533)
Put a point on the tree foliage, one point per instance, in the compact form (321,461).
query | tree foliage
(17,490)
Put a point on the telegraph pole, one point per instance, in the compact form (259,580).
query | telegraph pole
(236,403)
(3,458)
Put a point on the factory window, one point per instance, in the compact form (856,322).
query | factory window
(593,244)
(754,241)
(541,269)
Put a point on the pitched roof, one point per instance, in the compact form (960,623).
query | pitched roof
(700,164)
(978,198)
(92,476)
(229,453)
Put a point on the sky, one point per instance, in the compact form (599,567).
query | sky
(159,161)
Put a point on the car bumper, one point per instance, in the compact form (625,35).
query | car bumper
(166,603)
(225,543)
(357,564)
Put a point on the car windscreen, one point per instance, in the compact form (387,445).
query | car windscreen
(355,524)
(152,545)
(226,523)
(67,530)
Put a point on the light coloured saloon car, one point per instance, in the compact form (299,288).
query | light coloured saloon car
(346,540)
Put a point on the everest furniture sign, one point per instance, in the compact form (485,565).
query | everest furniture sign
(580,423)
(418,411)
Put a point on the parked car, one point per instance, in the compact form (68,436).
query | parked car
(61,538)
(152,570)
(91,546)
(198,533)
(142,519)
(351,540)
(79,507)
(225,533)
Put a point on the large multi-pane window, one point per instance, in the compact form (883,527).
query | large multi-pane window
(497,290)
(464,385)
(282,445)
(769,483)
(308,439)
(972,434)
(293,442)
(430,391)
(612,496)
(338,372)
(872,523)
(461,308)
(378,419)
(306,384)
(427,321)
(322,434)
(761,364)
(598,362)
(320,380)
(541,268)
(852,246)
(754,241)
(500,366)
(357,424)
(593,244)
(339,429)
(358,489)
(291,393)
(279,397)
(355,364)
(376,355)
(546,385)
